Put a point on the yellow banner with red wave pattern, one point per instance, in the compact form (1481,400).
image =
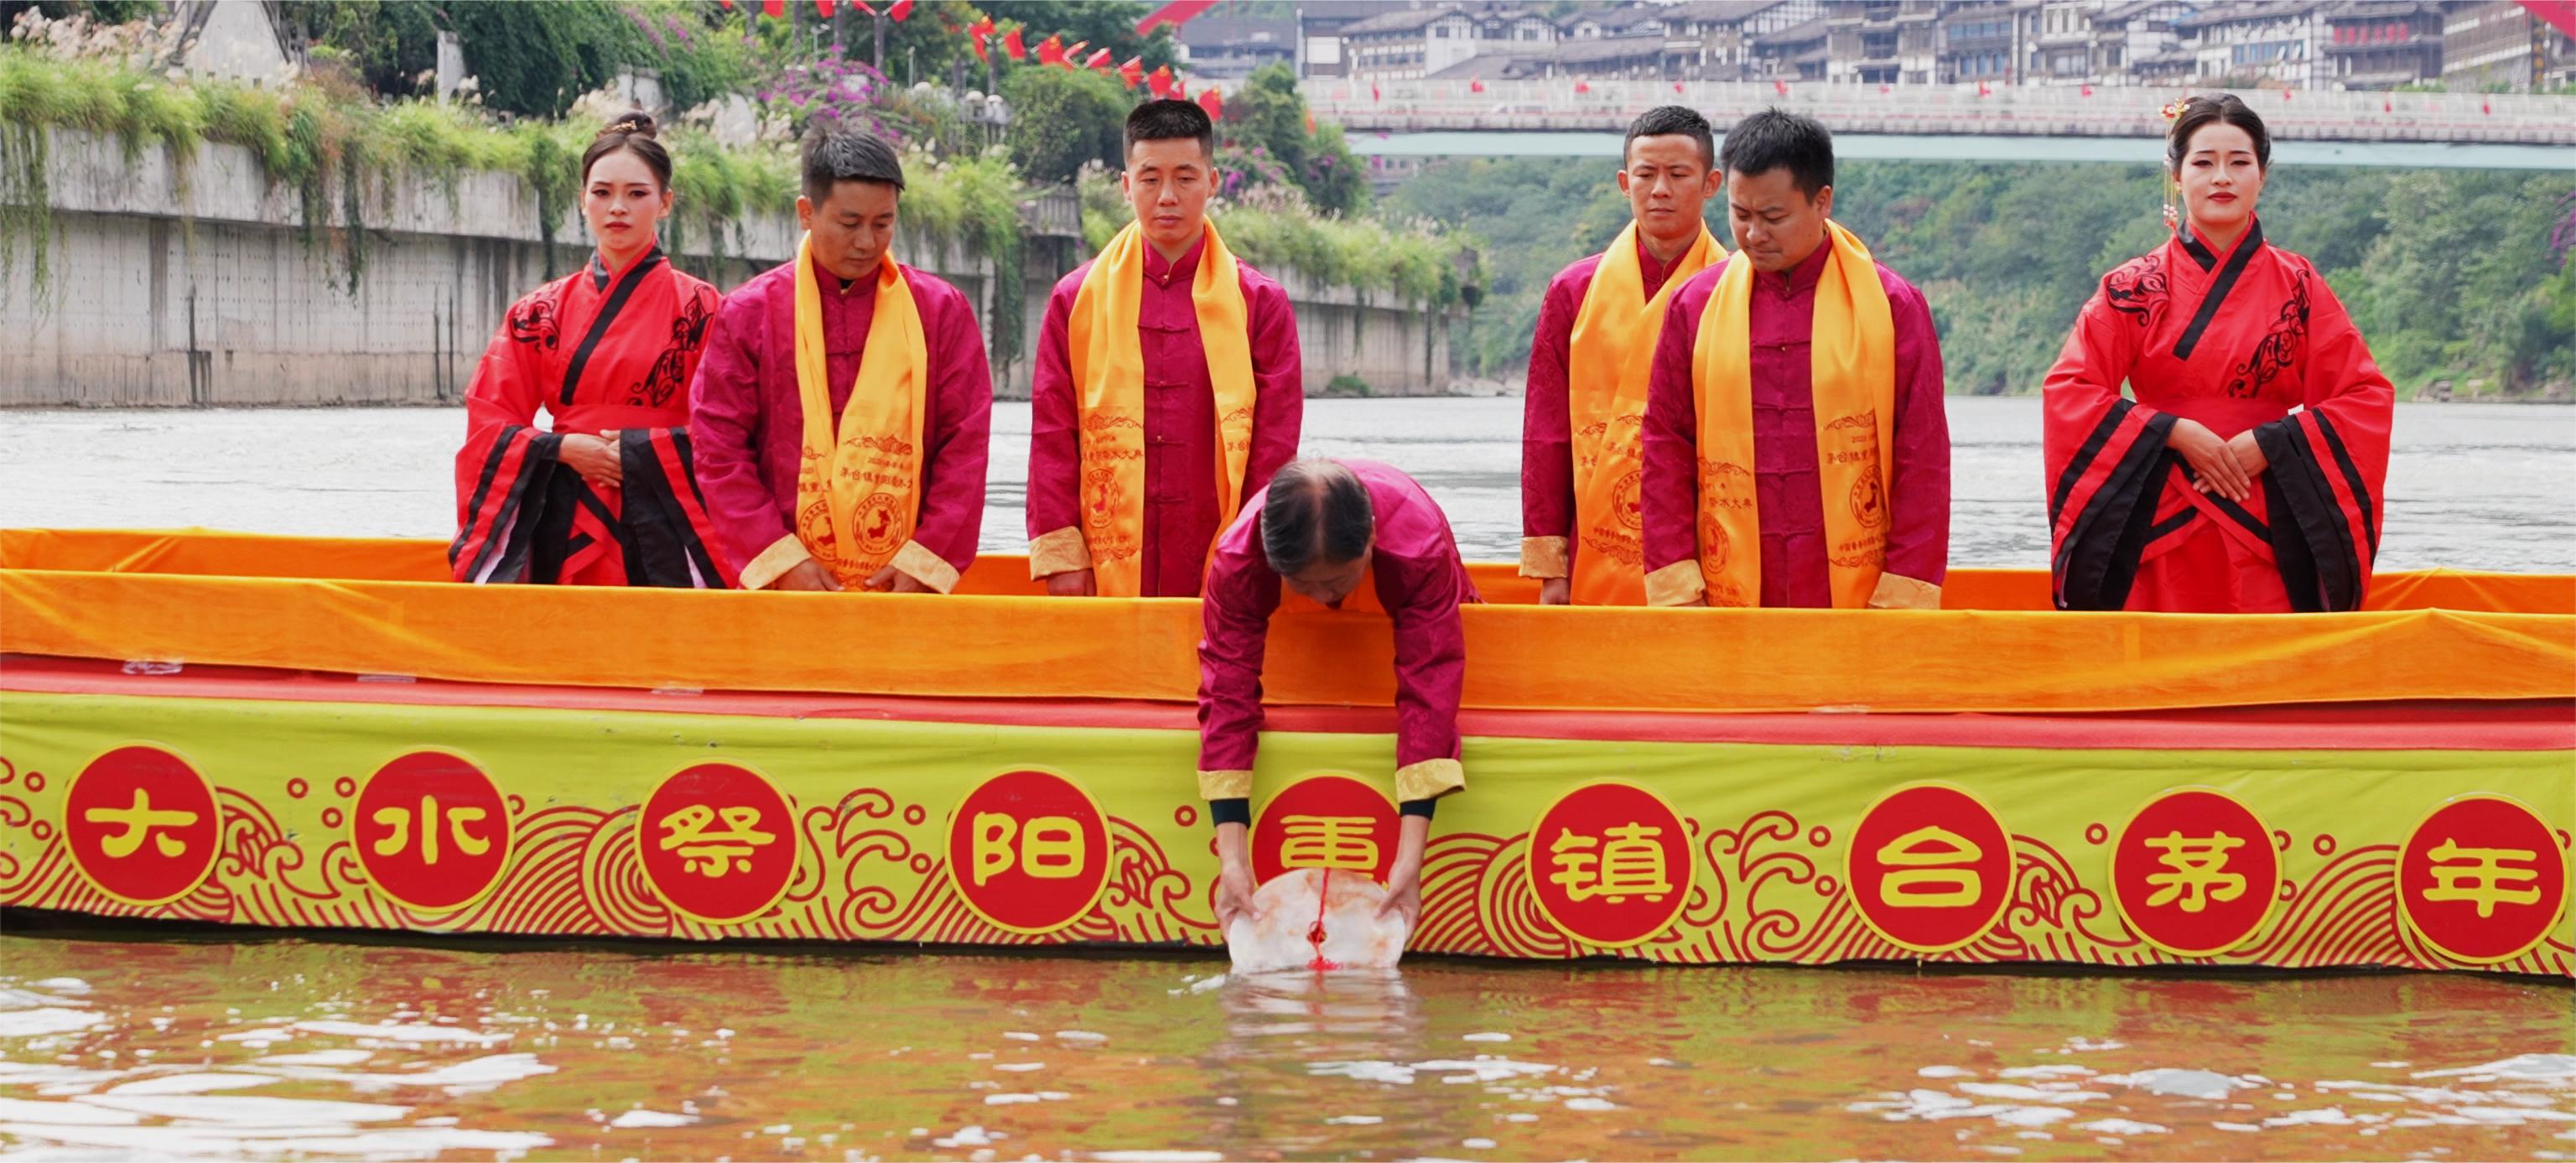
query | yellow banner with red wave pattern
(706,826)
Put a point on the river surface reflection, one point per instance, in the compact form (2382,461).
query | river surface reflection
(131,1043)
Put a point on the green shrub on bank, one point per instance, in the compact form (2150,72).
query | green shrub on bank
(342,154)
(1414,262)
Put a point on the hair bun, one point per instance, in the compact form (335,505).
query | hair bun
(634,122)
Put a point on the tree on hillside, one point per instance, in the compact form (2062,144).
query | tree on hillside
(535,59)
(1269,112)
(1061,120)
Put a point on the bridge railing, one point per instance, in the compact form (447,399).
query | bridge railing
(2050,111)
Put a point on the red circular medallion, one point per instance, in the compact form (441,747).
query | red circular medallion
(2195,872)
(1029,851)
(142,825)
(1929,867)
(1610,864)
(1325,821)
(432,831)
(718,842)
(2482,879)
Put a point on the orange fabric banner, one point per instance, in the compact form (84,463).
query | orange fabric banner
(55,600)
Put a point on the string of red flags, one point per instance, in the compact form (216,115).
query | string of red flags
(983,35)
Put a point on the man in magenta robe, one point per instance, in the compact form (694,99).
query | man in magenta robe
(1322,527)
(1169,177)
(1668,173)
(746,413)
(1779,189)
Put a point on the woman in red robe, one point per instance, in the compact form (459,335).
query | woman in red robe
(606,496)
(2245,475)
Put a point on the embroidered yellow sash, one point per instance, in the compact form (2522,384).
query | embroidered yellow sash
(858,486)
(1109,374)
(1854,360)
(1607,362)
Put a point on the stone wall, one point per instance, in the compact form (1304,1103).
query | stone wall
(197,286)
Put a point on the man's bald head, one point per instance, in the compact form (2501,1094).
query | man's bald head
(1316,528)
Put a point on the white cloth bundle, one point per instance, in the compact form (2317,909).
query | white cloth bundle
(1278,933)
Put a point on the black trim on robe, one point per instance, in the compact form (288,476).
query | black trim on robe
(664,545)
(2209,304)
(2098,561)
(626,284)
(2311,535)
(536,464)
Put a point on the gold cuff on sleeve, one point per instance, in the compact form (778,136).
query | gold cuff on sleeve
(1061,551)
(1904,593)
(1429,779)
(784,554)
(1678,584)
(1544,557)
(920,564)
(1225,785)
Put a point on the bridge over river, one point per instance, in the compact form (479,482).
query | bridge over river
(1554,118)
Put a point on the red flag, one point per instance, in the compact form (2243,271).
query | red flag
(980,30)
(2385,107)
(1098,60)
(728,4)
(1174,13)
(1051,51)
(1374,95)
(1884,90)
(1475,86)
(1583,86)
(1159,82)
(1983,90)
(1677,86)
(1011,44)
(1069,56)
(1213,102)
(861,5)
(2486,107)
(1131,72)
(774,8)
(2558,14)
(899,9)
(2086,91)
(2285,94)
(1780,87)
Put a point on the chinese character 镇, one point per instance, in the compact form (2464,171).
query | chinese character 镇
(430,810)
(711,853)
(2478,875)
(1629,864)
(1329,842)
(2194,877)
(1933,878)
(136,822)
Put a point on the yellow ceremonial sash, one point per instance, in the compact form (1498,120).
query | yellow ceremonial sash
(858,486)
(1607,362)
(1854,357)
(1109,377)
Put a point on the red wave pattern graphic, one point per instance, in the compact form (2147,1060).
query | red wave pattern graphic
(871,867)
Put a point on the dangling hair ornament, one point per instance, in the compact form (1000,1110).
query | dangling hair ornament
(2173,189)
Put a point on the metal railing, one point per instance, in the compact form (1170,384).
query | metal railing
(1555,104)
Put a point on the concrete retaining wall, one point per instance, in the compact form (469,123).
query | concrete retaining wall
(196,286)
